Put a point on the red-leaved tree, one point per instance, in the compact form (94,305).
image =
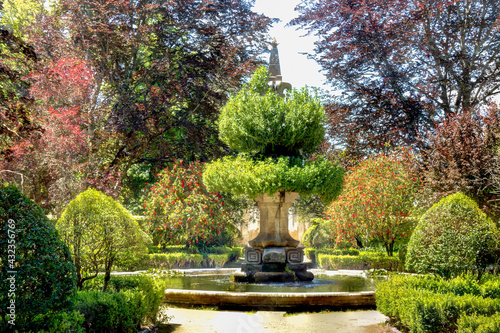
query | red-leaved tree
(462,156)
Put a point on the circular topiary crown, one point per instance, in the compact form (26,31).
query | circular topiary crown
(257,121)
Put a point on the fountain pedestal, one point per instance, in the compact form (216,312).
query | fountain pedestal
(274,255)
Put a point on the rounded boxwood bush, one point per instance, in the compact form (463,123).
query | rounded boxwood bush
(258,121)
(45,274)
(454,236)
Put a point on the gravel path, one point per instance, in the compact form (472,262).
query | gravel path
(205,321)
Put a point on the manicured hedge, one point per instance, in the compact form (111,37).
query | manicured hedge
(431,304)
(215,257)
(130,301)
(363,261)
(312,253)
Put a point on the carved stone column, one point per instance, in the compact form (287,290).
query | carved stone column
(274,220)
(274,255)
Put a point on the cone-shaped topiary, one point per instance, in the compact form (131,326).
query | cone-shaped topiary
(37,274)
(275,135)
(100,233)
(454,236)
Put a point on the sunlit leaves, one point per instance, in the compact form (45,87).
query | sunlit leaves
(243,175)
(259,121)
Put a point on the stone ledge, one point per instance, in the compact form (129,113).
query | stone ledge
(272,301)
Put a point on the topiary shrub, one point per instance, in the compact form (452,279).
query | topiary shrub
(276,137)
(100,233)
(29,245)
(454,236)
(259,121)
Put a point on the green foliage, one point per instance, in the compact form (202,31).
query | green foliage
(432,304)
(120,311)
(377,202)
(479,324)
(454,236)
(243,175)
(363,261)
(318,234)
(258,121)
(312,253)
(68,321)
(45,275)
(181,210)
(151,291)
(100,233)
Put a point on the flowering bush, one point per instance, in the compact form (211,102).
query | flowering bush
(377,201)
(182,211)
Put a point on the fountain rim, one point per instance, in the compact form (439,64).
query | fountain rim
(273,301)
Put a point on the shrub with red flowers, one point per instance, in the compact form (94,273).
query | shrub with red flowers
(182,211)
(377,201)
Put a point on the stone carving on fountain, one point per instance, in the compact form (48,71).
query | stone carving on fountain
(274,256)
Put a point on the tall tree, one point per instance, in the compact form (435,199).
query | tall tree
(403,64)
(462,156)
(167,67)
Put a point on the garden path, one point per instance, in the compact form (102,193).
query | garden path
(206,321)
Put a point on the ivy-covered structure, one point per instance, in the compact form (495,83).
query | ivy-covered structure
(276,130)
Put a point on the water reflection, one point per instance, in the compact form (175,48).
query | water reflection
(321,283)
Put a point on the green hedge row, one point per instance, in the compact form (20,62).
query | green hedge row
(130,301)
(217,258)
(363,261)
(430,304)
(312,253)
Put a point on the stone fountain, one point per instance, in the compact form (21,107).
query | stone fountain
(274,255)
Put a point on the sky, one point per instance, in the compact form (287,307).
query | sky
(296,68)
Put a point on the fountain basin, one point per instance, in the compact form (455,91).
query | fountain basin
(218,291)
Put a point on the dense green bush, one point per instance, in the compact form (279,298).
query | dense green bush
(361,262)
(45,275)
(479,324)
(259,121)
(100,233)
(432,304)
(151,290)
(64,321)
(454,236)
(318,235)
(244,175)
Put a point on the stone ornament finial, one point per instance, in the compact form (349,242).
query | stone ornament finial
(275,78)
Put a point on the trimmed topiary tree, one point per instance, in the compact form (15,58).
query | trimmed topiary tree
(276,137)
(100,233)
(259,121)
(37,274)
(453,237)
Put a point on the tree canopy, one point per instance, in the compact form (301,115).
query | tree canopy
(402,65)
